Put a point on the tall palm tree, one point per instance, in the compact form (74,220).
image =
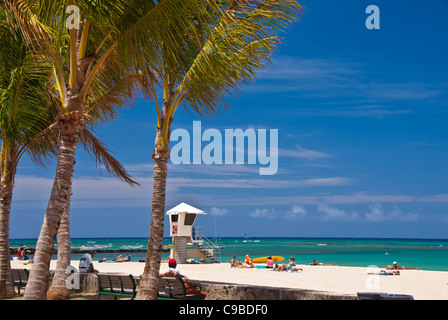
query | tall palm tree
(245,34)
(27,117)
(25,110)
(58,289)
(118,38)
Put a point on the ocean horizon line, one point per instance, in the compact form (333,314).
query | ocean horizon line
(258,237)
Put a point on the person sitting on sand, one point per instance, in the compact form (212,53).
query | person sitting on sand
(291,266)
(315,263)
(395,266)
(269,263)
(248,262)
(121,259)
(235,263)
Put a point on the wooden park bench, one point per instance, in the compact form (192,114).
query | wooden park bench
(19,278)
(117,285)
(175,289)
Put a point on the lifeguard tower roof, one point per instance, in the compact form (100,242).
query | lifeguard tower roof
(184,208)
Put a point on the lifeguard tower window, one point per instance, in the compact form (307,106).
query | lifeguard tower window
(174,217)
(189,219)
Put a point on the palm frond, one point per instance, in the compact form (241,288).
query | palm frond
(241,44)
(24,109)
(97,150)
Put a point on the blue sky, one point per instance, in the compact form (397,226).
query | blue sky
(361,117)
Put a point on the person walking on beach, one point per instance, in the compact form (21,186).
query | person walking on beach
(86,263)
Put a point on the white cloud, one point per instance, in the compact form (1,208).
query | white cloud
(328,182)
(333,213)
(296,212)
(218,211)
(337,78)
(443,197)
(303,153)
(378,214)
(263,213)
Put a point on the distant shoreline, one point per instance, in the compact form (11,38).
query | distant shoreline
(256,237)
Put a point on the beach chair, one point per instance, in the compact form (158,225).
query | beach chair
(116,285)
(174,289)
(19,278)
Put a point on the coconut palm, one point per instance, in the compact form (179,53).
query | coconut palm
(245,33)
(58,289)
(28,115)
(117,92)
(87,43)
(25,110)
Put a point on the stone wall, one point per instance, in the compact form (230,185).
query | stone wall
(226,291)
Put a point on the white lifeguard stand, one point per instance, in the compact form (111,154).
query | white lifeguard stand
(182,218)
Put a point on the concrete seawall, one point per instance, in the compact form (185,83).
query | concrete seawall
(226,291)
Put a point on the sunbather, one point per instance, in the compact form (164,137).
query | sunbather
(395,266)
(291,266)
(235,263)
(315,263)
(248,262)
(386,273)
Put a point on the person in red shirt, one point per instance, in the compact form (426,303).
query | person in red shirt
(20,252)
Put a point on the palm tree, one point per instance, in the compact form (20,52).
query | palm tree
(117,93)
(116,39)
(28,115)
(244,35)
(58,289)
(25,112)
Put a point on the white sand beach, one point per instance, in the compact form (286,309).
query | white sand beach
(421,284)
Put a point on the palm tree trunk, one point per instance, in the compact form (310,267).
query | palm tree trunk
(6,286)
(149,285)
(58,289)
(60,193)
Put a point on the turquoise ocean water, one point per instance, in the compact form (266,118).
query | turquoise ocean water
(420,253)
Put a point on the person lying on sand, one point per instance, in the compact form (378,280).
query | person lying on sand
(386,273)
(315,263)
(395,266)
(291,266)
